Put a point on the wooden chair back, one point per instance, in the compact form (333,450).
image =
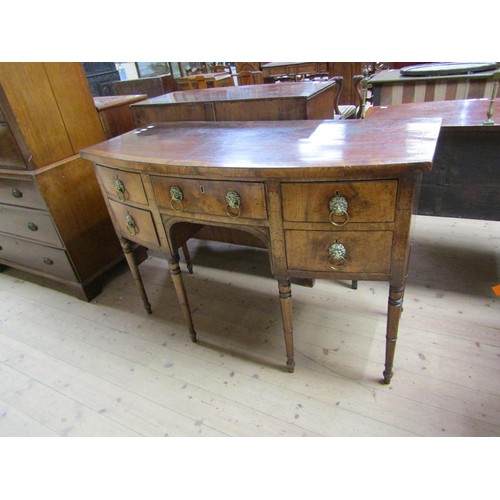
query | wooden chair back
(249,77)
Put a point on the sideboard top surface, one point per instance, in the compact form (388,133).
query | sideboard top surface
(267,148)
(241,93)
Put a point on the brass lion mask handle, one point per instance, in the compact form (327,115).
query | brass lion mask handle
(338,206)
(132,227)
(177,197)
(337,256)
(120,189)
(233,204)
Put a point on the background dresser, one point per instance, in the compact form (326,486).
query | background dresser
(53,221)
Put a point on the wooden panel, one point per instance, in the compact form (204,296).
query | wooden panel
(209,197)
(20,192)
(75,103)
(367,251)
(262,109)
(48,260)
(370,201)
(144,228)
(10,154)
(38,119)
(28,223)
(132,182)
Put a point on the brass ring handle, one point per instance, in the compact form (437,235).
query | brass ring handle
(120,189)
(337,256)
(338,206)
(233,202)
(132,227)
(177,198)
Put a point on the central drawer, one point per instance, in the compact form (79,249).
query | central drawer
(210,197)
(364,201)
(28,223)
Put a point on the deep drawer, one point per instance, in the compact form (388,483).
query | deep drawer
(367,201)
(134,223)
(38,257)
(209,197)
(28,223)
(20,192)
(365,251)
(122,186)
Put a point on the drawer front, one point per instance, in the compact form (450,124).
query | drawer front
(38,257)
(209,197)
(22,193)
(122,186)
(10,155)
(29,224)
(134,223)
(367,201)
(365,251)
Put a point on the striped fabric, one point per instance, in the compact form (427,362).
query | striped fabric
(435,90)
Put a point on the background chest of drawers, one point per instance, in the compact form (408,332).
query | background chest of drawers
(53,221)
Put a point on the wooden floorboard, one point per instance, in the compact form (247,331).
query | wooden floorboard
(106,368)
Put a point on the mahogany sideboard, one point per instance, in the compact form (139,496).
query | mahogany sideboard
(329,199)
(284,101)
(53,221)
(465,179)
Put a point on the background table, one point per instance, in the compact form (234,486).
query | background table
(465,179)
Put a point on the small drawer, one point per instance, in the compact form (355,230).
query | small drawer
(363,251)
(52,261)
(225,198)
(22,193)
(360,201)
(122,186)
(28,223)
(134,223)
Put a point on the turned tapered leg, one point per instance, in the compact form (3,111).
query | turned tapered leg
(187,258)
(175,272)
(132,264)
(394,310)
(286,314)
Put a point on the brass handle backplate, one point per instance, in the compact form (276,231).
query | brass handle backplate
(132,227)
(337,256)
(177,199)
(233,203)
(338,206)
(120,189)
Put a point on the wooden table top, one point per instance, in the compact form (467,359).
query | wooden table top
(395,76)
(111,101)
(242,92)
(457,113)
(283,148)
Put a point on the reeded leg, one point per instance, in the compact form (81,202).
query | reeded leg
(286,314)
(175,272)
(395,307)
(187,258)
(132,264)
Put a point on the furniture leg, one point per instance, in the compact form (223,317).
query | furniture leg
(175,272)
(395,308)
(187,258)
(354,284)
(286,314)
(134,269)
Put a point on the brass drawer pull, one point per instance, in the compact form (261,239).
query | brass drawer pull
(177,199)
(48,261)
(120,189)
(338,206)
(132,227)
(16,193)
(233,203)
(32,226)
(337,256)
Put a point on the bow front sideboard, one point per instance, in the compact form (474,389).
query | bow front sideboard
(329,199)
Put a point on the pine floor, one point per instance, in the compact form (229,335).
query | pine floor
(106,368)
